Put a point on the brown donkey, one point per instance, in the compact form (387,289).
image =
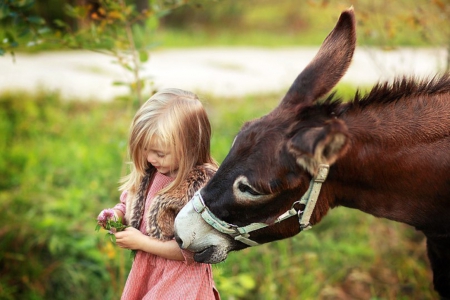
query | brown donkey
(386,153)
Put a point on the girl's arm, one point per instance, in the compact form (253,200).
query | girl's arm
(119,213)
(121,206)
(133,239)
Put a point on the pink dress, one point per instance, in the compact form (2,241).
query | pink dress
(157,278)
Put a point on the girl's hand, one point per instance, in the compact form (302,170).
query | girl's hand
(130,238)
(133,239)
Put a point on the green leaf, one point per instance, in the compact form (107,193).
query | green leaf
(60,23)
(9,37)
(70,10)
(78,12)
(23,4)
(152,22)
(247,281)
(24,32)
(36,20)
(44,30)
(143,56)
(4,11)
(163,13)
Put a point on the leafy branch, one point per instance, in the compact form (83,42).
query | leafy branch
(113,27)
(24,23)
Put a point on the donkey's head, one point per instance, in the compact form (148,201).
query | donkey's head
(271,162)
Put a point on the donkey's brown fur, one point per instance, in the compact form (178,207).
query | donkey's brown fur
(388,151)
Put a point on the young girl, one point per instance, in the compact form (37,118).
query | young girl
(170,160)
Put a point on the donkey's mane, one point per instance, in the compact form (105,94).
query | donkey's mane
(401,88)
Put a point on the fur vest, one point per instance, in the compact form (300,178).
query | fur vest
(165,207)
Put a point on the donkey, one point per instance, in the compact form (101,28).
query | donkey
(386,153)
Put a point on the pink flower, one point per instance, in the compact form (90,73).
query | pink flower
(104,216)
(101,219)
(108,213)
(109,220)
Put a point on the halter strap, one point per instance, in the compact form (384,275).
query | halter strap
(309,199)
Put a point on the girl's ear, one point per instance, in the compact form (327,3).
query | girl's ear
(319,145)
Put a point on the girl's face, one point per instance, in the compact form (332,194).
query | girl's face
(162,159)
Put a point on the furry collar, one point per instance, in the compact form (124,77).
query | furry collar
(165,207)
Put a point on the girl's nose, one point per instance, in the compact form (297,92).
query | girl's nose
(150,158)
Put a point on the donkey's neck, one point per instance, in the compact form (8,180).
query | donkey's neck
(397,166)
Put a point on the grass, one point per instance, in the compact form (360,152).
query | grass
(173,38)
(59,165)
(57,170)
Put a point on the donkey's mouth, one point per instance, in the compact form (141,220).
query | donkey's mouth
(210,255)
(204,256)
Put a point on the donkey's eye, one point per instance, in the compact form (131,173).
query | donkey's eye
(246,189)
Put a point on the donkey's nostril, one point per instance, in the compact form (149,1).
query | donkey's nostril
(182,244)
(179,241)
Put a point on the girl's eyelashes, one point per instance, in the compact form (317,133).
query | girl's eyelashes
(157,151)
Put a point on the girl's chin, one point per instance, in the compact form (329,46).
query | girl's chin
(168,173)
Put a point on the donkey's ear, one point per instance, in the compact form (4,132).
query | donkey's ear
(328,66)
(319,145)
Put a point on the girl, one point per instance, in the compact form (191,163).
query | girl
(170,160)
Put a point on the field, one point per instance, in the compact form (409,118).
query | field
(59,165)
(61,159)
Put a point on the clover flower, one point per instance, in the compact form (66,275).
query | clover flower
(105,217)
(108,220)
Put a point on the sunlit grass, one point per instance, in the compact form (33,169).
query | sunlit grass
(173,38)
(59,166)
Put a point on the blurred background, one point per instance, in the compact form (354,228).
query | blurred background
(62,154)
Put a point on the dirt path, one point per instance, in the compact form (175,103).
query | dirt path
(219,71)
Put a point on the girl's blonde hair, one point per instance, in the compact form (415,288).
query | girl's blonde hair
(175,119)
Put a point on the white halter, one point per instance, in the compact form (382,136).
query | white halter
(309,199)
